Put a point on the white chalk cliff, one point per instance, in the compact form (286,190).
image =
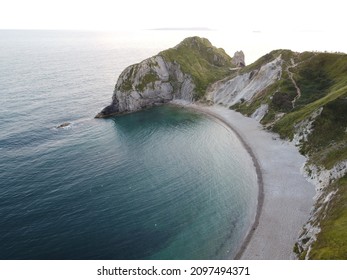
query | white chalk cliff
(245,86)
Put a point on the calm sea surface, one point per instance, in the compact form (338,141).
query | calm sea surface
(164,183)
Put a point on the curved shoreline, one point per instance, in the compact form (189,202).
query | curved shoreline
(284,196)
(260,199)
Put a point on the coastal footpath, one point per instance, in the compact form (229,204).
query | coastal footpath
(299,97)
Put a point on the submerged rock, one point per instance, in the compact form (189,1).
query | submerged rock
(65,124)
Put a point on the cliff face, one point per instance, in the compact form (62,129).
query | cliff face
(182,72)
(245,86)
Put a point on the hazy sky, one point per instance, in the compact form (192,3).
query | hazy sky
(249,15)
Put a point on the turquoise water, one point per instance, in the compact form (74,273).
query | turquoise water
(164,183)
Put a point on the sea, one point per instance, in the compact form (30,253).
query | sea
(163,183)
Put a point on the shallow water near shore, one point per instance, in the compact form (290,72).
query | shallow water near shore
(164,183)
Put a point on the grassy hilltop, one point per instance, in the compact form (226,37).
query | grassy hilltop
(201,60)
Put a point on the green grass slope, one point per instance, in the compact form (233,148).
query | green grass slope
(331,242)
(201,60)
(322,80)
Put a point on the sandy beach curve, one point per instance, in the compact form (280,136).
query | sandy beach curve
(285,197)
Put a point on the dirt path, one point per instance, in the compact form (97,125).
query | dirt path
(298,91)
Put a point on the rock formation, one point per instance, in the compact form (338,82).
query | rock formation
(245,86)
(183,72)
(65,124)
(239,59)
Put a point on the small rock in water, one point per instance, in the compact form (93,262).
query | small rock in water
(63,125)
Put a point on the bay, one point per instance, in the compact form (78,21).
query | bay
(163,183)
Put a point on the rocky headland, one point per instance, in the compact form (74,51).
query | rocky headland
(183,73)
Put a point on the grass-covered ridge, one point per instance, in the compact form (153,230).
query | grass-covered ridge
(322,80)
(198,58)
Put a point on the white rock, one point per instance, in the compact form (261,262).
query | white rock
(244,87)
(260,112)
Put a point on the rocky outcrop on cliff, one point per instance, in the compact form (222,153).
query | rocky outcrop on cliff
(183,72)
(239,59)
